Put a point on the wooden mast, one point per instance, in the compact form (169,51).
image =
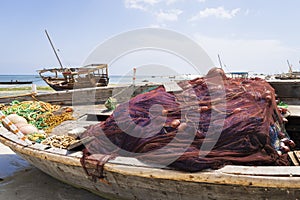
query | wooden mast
(61,66)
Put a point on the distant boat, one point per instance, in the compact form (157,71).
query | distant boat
(238,74)
(289,75)
(94,75)
(68,78)
(14,82)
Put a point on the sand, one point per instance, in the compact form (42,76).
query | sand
(20,180)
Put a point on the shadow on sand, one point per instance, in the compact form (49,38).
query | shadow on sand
(20,180)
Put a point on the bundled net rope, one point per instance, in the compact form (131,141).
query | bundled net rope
(161,134)
(42,115)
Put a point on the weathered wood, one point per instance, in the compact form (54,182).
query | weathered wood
(39,146)
(172,87)
(287,90)
(80,142)
(294,110)
(11,136)
(57,151)
(293,158)
(297,154)
(84,95)
(286,171)
(126,179)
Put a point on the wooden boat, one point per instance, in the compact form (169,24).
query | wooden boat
(68,78)
(238,74)
(93,75)
(127,178)
(290,75)
(287,85)
(15,82)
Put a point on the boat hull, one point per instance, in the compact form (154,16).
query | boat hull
(287,90)
(58,87)
(126,178)
(84,95)
(125,181)
(15,82)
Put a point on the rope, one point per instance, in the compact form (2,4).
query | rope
(42,115)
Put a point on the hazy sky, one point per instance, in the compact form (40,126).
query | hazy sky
(249,35)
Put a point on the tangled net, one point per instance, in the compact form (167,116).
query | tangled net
(252,126)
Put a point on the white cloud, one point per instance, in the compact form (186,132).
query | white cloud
(169,2)
(201,1)
(261,56)
(218,12)
(140,4)
(155,26)
(151,2)
(134,4)
(247,12)
(170,15)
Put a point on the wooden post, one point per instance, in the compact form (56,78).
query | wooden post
(33,88)
(134,76)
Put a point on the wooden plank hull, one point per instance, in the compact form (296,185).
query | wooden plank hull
(83,96)
(125,180)
(57,86)
(287,90)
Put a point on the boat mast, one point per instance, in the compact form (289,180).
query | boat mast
(290,67)
(220,61)
(61,66)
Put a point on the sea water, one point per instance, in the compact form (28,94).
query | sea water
(113,79)
(34,78)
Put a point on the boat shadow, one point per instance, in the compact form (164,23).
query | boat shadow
(20,180)
(10,164)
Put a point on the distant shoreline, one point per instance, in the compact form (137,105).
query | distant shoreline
(8,89)
(8,92)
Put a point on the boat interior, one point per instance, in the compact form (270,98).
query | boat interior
(87,115)
(293,124)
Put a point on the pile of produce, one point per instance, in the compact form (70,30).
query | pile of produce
(36,119)
(177,129)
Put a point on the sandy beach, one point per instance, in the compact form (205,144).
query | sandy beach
(20,180)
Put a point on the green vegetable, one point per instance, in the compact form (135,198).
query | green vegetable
(282,104)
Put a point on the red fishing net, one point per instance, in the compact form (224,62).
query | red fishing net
(206,125)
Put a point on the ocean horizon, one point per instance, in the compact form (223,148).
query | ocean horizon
(113,79)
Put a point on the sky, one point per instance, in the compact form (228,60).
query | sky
(257,36)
